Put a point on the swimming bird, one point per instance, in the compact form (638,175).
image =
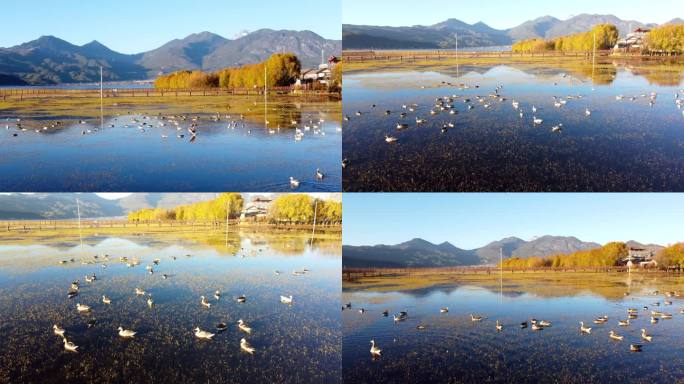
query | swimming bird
(204,302)
(243,327)
(499,326)
(241,299)
(401,316)
(91,323)
(536,327)
(645,336)
(401,126)
(385,313)
(557,128)
(58,330)
(536,120)
(444,310)
(139,292)
(534,109)
(475,318)
(420,327)
(294,183)
(615,336)
(217,294)
(69,346)
(82,307)
(126,332)
(390,139)
(200,334)
(374,349)
(286,299)
(319,175)
(361,310)
(587,112)
(245,346)
(584,329)
(221,327)
(106,299)
(635,347)
(623,323)
(150,302)
(544,323)
(654,320)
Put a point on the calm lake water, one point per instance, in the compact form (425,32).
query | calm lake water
(454,349)
(117,155)
(625,145)
(294,343)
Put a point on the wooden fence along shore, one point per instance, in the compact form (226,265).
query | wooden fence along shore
(52,225)
(393,55)
(31,93)
(352,274)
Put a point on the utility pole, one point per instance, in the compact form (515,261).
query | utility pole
(78,210)
(456,36)
(101,100)
(313,230)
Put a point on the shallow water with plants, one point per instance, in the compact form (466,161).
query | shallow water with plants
(616,126)
(294,342)
(453,348)
(145,144)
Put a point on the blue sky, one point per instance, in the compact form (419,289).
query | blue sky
(473,220)
(501,14)
(130,26)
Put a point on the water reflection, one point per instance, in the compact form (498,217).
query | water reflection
(635,144)
(452,348)
(33,297)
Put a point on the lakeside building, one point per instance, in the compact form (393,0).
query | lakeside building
(640,257)
(320,75)
(256,209)
(634,41)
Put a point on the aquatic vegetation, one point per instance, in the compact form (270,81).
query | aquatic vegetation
(33,300)
(452,347)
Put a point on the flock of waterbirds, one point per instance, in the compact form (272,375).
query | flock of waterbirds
(183,123)
(447,106)
(76,287)
(654,315)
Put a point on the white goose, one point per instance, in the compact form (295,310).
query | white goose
(294,183)
(390,139)
(204,302)
(139,292)
(537,120)
(645,336)
(106,299)
(286,299)
(200,334)
(59,331)
(244,345)
(150,302)
(499,326)
(69,346)
(82,307)
(584,329)
(217,294)
(615,336)
(375,350)
(244,327)
(125,332)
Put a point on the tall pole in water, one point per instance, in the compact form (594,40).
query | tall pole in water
(313,230)
(265,96)
(501,272)
(456,37)
(78,210)
(101,100)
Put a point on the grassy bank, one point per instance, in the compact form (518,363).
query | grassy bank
(281,108)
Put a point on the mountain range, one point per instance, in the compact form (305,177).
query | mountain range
(50,60)
(56,206)
(417,253)
(441,35)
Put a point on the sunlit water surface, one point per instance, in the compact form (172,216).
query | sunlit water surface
(624,145)
(294,343)
(454,349)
